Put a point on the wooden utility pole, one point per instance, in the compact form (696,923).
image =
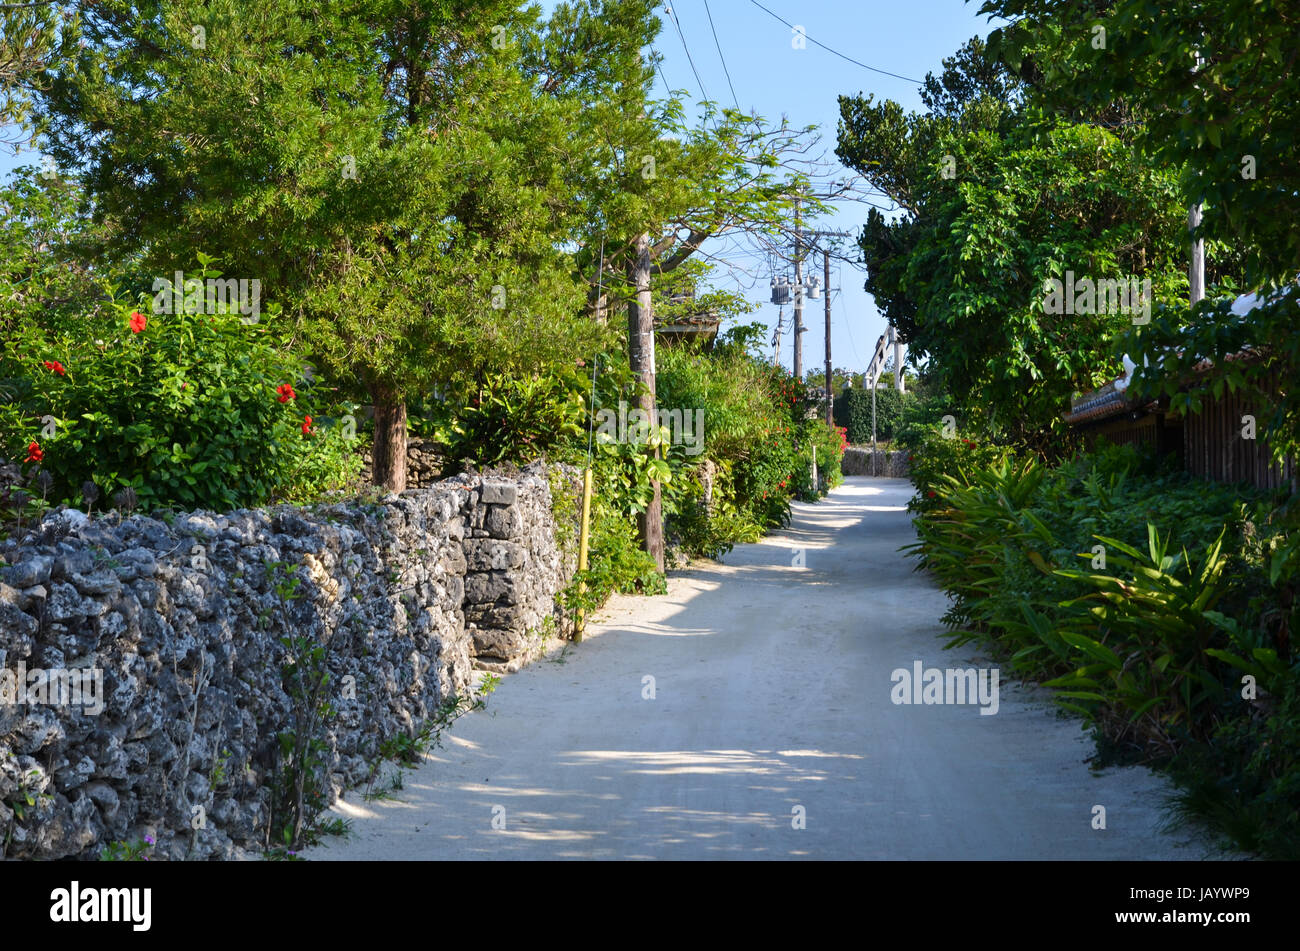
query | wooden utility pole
(826,293)
(798,295)
(641,356)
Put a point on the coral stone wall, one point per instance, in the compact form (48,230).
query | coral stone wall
(193,630)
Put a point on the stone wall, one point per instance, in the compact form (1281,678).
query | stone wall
(193,626)
(858,461)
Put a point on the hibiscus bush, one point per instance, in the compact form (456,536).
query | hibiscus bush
(192,410)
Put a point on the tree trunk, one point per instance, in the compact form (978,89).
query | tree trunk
(390,439)
(641,354)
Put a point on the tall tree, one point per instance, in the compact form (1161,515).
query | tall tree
(997,200)
(33,35)
(384,167)
(1209,88)
(1212,90)
(655,188)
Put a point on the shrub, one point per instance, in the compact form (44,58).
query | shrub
(828,444)
(516,418)
(1150,637)
(933,455)
(186,409)
(853,412)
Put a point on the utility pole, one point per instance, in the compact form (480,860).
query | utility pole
(1196,273)
(826,292)
(780,319)
(798,295)
(1196,270)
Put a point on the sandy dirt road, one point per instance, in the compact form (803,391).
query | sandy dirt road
(771,733)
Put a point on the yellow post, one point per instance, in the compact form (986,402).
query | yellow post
(583,538)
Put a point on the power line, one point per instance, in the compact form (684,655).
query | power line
(668,90)
(848,323)
(677,23)
(855,62)
(720,56)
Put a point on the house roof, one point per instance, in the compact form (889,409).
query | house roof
(1097,404)
(693,323)
(1111,400)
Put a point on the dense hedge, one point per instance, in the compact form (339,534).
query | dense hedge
(853,412)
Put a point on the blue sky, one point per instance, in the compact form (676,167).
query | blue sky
(774,79)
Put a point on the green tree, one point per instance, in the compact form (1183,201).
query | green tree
(654,188)
(45,277)
(1207,88)
(33,36)
(384,168)
(996,199)
(1210,90)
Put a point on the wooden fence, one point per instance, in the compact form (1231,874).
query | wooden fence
(1215,445)
(1212,444)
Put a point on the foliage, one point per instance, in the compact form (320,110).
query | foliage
(684,293)
(825,445)
(1209,92)
(1160,613)
(998,198)
(516,417)
(853,412)
(1256,356)
(44,275)
(1149,640)
(299,782)
(1199,86)
(415,230)
(936,452)
(135,850)
(710,527)
(1245,780)
(408,750)
(34,36)
(189,409)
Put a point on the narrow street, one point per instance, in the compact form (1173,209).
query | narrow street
(771,704)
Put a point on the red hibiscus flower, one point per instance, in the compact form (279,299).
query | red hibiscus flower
(54,366)
(34,452)
(930,494)
(306,426)
(138,322)
(285,392)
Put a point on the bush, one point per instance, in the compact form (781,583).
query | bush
(1141,596)
(853,412)
(515,418)
(188,410)
(934,454)
(1246,779)
(752,431)
(828,444)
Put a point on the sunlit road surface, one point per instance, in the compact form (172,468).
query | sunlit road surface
(748,714)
